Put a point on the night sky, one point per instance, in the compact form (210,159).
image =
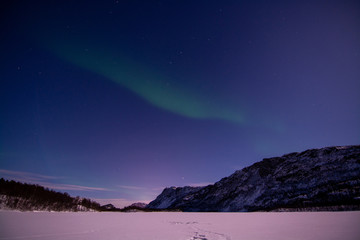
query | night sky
(119,99)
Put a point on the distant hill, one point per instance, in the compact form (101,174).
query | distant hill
(135,207)
(30,197)
(139,205)
(313,180)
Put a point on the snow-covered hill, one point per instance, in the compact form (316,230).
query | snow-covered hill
(317,179)
(30,197)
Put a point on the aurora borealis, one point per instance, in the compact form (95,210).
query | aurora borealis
(118,99)
(155,89)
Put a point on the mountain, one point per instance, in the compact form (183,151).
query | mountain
(30,197)
(135,207)
(138,205)
(316,179)
(108,207)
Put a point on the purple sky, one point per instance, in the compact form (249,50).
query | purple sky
(120,99)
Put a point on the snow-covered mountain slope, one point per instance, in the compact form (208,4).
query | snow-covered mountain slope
(317,179)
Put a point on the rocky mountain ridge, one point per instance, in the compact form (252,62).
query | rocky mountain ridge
(316,179)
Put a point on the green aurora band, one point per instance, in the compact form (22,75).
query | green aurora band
(147,85)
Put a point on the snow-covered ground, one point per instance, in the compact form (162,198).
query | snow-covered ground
(179,226)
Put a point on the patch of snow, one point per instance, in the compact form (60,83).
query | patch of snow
(179,226)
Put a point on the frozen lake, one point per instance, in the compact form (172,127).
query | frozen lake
(179,226)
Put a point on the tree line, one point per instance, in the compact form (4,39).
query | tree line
(29,197)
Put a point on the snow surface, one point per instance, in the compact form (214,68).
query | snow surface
(179,226)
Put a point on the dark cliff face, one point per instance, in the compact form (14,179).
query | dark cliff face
(317,178)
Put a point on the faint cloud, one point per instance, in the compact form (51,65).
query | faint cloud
(26,175)
(45,181)
(200,184)
(140,192)
(131,187)
(73,187)
(141,188)
(158,188)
